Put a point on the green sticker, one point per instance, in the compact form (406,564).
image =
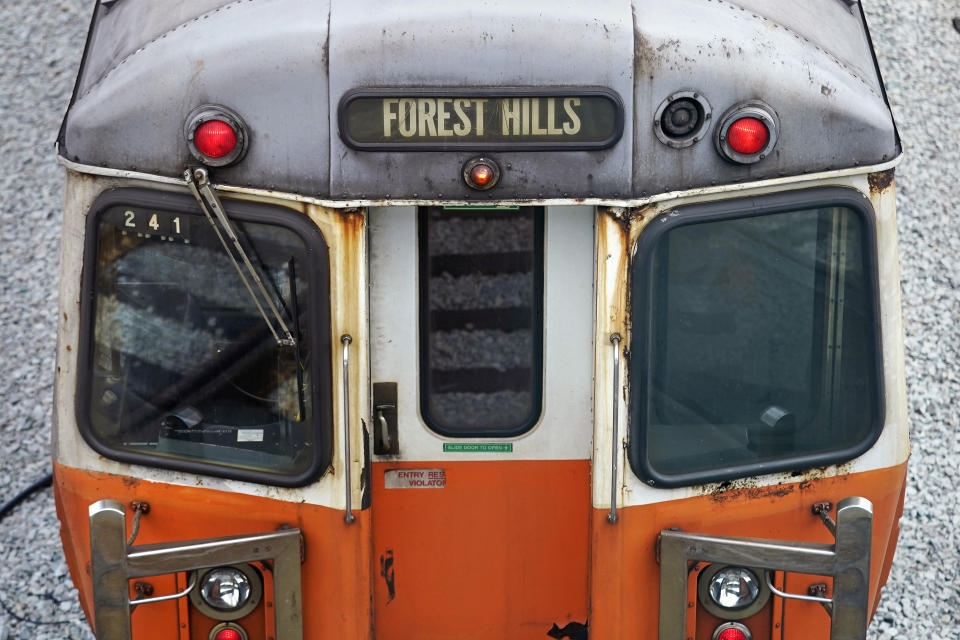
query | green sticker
(470,447)
(465,207)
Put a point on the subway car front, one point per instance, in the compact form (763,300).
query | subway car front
(518,320)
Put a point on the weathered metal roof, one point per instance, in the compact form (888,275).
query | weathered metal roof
(284,66)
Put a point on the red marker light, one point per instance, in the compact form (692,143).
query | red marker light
(216,138)
(747,136)
(730,633)
(228,634)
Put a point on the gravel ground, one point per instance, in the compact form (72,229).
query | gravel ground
(919,50)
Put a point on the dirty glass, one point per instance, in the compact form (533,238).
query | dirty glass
(760,344)
(183,366)
(481,319)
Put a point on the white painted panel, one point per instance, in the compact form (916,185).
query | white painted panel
(564,430)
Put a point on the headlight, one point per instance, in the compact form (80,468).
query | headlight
(227,593)
(734,588)
(732,593)
(225,588)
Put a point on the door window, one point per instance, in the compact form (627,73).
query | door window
(481,309)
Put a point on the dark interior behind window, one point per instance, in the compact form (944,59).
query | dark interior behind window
(481,309)
(758,338)
(179,369)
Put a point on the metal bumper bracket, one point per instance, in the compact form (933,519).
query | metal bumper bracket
(114,564)
(847,561)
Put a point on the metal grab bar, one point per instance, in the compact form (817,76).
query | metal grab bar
(175,596)
(615,341)
(345,340)
(793,596)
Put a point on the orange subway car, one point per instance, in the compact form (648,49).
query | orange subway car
(454,322)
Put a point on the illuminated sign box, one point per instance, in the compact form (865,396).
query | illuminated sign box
(443,119)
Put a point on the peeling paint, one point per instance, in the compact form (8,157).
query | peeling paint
(387,573)
(572,630)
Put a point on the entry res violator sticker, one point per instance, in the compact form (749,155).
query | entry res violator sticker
(414,478)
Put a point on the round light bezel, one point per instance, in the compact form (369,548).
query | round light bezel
(256,593)
(733,625)
(475,162)
(752,109)
(706,600)
(698,132)
(206,113)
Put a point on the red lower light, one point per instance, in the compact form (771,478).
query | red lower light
(726,634)
(228,634)
(216,138)
(747,136)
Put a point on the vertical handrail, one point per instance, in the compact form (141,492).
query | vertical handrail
(615,341)
(345,340)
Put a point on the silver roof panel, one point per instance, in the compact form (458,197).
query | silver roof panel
(284,65)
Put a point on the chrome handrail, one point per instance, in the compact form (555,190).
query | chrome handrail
(615,446)
(345,340)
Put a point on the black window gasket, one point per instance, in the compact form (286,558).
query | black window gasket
(641,311)
(537,334)
(319,328)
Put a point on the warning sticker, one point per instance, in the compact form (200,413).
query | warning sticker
(481,447)
(415,479)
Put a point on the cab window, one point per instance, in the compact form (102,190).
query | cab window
(756,338)
(180,368)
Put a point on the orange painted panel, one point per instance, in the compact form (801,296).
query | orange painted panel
(505,550)
(625,574)
(336,573)
(500,552)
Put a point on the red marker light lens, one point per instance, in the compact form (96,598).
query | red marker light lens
(747,136)
(216,138)
(228,634)
(726,634)
(481,175)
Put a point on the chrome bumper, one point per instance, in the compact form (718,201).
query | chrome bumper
(847,561)
(114,564)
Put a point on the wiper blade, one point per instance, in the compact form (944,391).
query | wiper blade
(199,182)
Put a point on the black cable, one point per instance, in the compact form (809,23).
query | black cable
(9,506)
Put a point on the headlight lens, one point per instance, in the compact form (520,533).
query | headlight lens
(734,588)
(225,588)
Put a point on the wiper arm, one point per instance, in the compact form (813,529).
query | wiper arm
(199,182)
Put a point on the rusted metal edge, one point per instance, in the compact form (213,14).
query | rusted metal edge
(352,204)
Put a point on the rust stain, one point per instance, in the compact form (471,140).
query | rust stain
(880,181)
(645,57)
(726,491)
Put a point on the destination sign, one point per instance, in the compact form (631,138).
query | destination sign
(587,119)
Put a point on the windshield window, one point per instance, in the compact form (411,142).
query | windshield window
(183,367)
(758,347)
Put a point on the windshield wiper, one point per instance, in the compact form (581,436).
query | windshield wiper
(199,182)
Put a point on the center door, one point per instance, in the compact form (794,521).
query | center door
(482,370)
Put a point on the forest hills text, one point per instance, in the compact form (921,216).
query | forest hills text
(511,117)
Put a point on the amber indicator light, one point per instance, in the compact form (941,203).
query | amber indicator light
(481,173)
